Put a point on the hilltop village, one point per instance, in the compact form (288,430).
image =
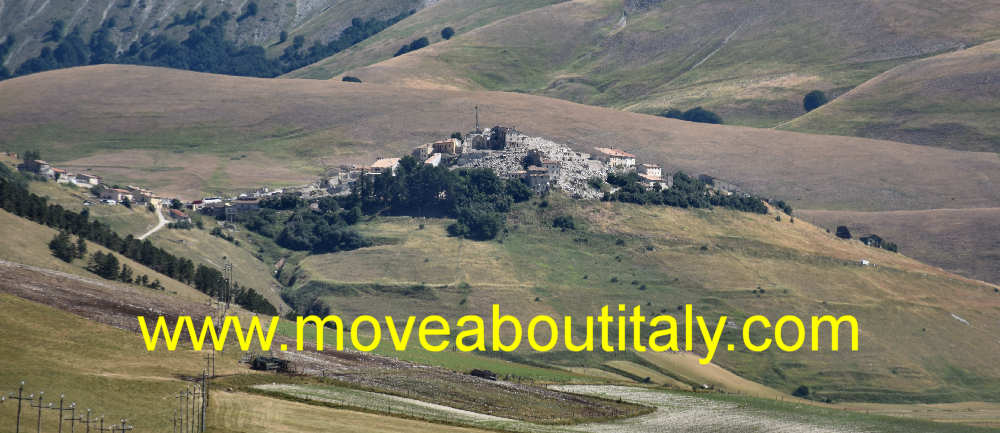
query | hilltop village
(540,163)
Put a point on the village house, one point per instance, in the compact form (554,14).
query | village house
(61,176)
(650,181)
(652,175)
(651,170)
(615,158)
(243,206)
(38,167)
(551,165)
(140,195)
(451,146)
(117,195)
(384,165)
(216,209)
(423,151)
(537,177)
(434,160)
(179,216)
(86,180)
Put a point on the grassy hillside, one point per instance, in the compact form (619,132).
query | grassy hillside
(716,260)
(955,239)
(27,242)
(463,16)
(949,100)
(250,267)
(128,21)
(182,132)
(751,62)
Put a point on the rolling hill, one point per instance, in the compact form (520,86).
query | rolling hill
(954,239)
(750,62)
(186,134)
(922,329)
(183,132)
(949,100)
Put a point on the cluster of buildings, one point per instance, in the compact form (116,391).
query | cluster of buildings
(504,150)
(44,169)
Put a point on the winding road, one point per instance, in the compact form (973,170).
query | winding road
(159,225)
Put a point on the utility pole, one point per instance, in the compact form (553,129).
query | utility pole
(125,427)
(180,399)
(228,273)
(38,427)
(71,408)
(190,410)
(204,397)
(88,421)
(20,397)
(73,418)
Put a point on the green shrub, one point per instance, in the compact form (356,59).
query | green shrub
(813,100)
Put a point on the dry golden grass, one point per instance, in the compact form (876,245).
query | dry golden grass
(904,307)
(27,242)
(686,365)
(203,248)
(964,241)
(300,126)
(949,100)
(643,372)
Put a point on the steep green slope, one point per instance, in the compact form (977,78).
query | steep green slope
(129,20)
(462,16)
(950,100)
(926,335)
(751,62)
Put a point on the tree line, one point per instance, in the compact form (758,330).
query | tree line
(18,200)
(477,198)
(205,49)
(292,224)
(686,192)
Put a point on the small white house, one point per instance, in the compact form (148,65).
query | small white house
(383,165)
(116,194)
(651,170)
(615,158)
(434,160)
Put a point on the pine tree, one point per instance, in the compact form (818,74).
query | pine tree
(126,274)
(62,247)
(81,247)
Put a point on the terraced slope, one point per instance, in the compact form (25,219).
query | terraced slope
(950,100)
(751,62)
